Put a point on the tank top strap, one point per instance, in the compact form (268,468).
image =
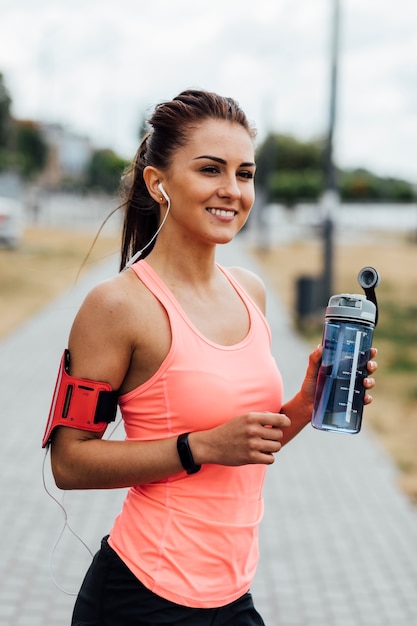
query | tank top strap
(253,308)
(155,284)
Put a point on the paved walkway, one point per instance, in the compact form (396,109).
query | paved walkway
(338,540)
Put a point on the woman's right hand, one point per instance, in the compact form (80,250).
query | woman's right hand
(246,439)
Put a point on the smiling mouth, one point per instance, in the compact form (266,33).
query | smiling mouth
(222,212)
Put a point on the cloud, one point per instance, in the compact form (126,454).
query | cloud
(98,65)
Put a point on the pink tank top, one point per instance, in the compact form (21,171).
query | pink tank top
(193,539)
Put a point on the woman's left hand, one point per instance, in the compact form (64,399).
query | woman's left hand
(300,408)
(308,387)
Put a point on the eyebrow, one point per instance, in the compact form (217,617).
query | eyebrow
(222,161)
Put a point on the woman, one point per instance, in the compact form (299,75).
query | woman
(186,344)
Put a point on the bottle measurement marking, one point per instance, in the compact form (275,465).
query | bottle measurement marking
(355,360)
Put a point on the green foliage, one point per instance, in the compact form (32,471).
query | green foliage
(5,115)
(398,324)
(397,331)
(22,147)
(32,151)
(291,186)
(361,185)
(7,160)
(290,171)
(105,170)
(282,152)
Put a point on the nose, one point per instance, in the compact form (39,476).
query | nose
(230,188)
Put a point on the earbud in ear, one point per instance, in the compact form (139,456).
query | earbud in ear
(163,192)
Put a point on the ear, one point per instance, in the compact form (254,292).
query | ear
(153,177)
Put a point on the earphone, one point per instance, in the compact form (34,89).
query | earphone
(139,252)
(163,192)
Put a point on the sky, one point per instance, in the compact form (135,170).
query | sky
(99,66)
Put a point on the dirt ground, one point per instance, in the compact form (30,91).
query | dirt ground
(45,264)
(48,262)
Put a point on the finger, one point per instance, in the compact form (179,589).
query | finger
(367,398)
(369,382)
(317,352)
(275,420)
(266,458)
(272,433)
(315,358)
(270,447)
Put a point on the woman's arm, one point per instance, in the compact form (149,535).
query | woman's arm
(101,345)
(81,460)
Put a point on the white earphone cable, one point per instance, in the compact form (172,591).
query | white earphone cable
(136,256)
(66,525)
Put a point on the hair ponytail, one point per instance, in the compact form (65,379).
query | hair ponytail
(139,207)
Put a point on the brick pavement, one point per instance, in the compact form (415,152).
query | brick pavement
(338,540)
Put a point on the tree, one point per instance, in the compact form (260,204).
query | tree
(22,147)
(31,148)
(289,170)
(360,185)
(292,186)
(5,115)
(105,170)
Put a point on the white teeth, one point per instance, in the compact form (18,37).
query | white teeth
(221,212)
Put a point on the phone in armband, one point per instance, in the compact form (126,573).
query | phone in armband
(79,403)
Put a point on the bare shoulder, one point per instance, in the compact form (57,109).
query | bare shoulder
(104,333)
(252,283)
(106,302)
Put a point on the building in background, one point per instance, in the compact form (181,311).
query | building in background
(68,156)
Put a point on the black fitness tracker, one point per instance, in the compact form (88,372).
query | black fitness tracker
(185,454)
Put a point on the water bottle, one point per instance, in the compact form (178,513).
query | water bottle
(347,339)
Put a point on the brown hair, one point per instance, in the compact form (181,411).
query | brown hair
(171,123)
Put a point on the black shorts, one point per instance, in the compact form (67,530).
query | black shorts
(112,596)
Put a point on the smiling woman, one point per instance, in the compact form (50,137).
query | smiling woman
(186,344)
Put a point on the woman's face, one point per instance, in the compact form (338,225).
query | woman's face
(211,182)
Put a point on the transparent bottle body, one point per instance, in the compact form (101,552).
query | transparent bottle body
(338,402)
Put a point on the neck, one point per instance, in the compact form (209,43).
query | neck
(192,264)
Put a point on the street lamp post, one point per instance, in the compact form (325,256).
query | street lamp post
(330,197)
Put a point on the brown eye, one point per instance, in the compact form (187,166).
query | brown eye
(210,169)
(246,174)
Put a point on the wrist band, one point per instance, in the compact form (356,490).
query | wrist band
(185,454)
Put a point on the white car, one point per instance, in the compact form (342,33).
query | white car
(11,222)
